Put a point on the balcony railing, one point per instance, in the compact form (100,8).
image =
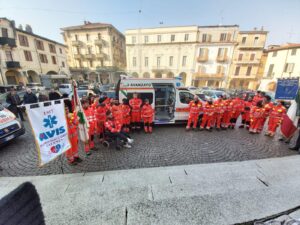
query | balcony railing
(223,58)
(203,58)
(76,43)
(11,42)
(201,76)
(77,56)
(99,42)
(13,65)
(100,55)
(161,69)
(252,45)
(247,61)
(89,56)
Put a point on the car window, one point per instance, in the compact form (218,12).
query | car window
(185,97)
(82,93)
(63,86)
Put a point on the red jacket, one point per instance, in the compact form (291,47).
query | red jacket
(220,106)
(113,126)
(135,104)
(125,110)
(72,124)
(247,106)
(277,112)
(101,113)
(195,108)
(117,112)
(268,107)
(90,116)
(237,105)
(147,111)
(209,109)
(257,113)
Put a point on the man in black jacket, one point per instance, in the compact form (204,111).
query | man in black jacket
(29,97)
(53,95)
(14,100)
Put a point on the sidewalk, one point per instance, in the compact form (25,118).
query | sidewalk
(219,193)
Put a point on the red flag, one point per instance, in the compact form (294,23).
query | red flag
(290,120)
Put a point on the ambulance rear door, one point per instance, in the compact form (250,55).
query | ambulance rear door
(183,98)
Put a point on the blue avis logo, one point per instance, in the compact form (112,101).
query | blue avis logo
(51,122)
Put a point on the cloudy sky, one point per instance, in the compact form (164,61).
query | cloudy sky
(280,17)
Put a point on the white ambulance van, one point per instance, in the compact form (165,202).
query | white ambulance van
(167,96)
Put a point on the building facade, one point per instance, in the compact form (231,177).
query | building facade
(163,52)
(282,62)
(246,63)
(214,53)
(96,51)
(24,56)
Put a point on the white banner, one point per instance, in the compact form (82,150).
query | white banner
(49,127)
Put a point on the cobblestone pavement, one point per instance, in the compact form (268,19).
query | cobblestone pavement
(168,145)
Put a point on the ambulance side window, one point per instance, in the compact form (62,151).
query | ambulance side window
(185,97)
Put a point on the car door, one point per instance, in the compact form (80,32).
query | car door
(182,105)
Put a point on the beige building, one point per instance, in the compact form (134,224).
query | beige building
(162,52)
(283,61)
(24,56)
(214,52)
(96,51)
(244,70)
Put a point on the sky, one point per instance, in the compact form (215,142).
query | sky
(280,17)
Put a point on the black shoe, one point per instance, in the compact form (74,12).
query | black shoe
(74,163)
(77,159)
(88,153)
(281,139)
(294,148)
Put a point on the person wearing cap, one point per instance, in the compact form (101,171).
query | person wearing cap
(195,107)
(135,103)
(147,114)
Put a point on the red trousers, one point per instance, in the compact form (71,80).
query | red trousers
(135,117)
(72,153)
(100,127)
(148,124)
(273,124)
(226,118)
(207,120)
(219,119)
(90,144)
(256,124)
(193,118)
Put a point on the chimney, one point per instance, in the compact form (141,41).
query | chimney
(255,28)
(262,28)
(28,29)
(20,27)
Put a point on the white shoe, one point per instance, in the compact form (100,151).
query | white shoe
(130,140)
(127,145)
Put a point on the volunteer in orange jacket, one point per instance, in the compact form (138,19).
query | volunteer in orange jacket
(237,108)
(72,123)
(219,111)
(147,116)
(246,113)
(208,115)
(195,107)
(227,112)
(126,115)
(89,113)
(135,103)
(275,118)
(256,118)
(100,118)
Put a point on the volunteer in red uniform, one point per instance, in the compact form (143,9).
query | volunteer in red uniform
(258,97)
(72,123)
(219,112)
(208,115)
(147,114)
(237,108)
(195,107)
(256,118)
(268,105)
(90,116)
(126,115)
(117,112)
(246,113)
(227,112)
(114,128)
(275,118)
(100,118)
(135,103)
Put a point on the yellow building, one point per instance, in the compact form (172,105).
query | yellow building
(24,55)
(96,51)
(245,67)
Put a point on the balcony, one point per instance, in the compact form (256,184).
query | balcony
(100,55)
(76,43)
(247,61)
(99,42)
(244,76)
(89,56)
(13,65)
(222,58)
(77,56)
(161,69)
(11,42)
(208,76)
(203,58)
(249,45)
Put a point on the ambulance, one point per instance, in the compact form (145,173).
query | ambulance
(167,96)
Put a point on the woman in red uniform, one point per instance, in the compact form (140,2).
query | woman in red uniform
(256,118)
(126,115)
(208,115)
(147,116)
(89,113)
(275,118)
